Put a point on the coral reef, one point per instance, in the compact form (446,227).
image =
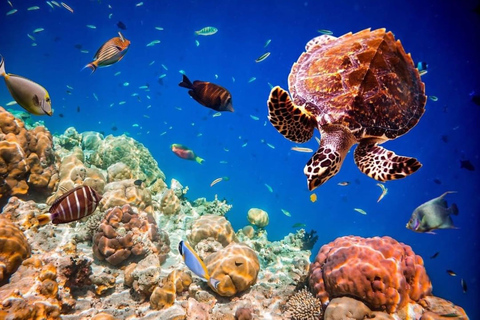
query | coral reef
(169,204)
(258,217)
(381,272)
(309,240)
(165,294)
(212,226)
(215,207)
(119,193)
(304,306)
(236,267)
(124,232)
(14,248)
(27,159)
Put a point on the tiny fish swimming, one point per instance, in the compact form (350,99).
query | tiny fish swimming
(109,53)
(208,94)
(29,95)
(73,205)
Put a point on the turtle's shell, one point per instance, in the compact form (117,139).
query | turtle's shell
(364,81)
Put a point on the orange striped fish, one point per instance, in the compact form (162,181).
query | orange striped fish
(208,94)
(109,53)
(72,206)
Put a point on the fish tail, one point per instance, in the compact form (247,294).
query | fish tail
(43,219)
(2,66)
(92,66)
(453,209)
(186,83)
(199,160)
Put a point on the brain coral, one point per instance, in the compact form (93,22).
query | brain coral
(379,271)
(258,217)
(27,159)
(124,232)
(236,267)
(119,193)
(14,248)
(216,227)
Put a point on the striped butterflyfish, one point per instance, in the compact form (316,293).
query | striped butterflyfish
(109,53)
(208,94)
(73,205)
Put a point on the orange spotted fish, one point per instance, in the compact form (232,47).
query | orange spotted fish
(109,53)
(208,94)
(72,206)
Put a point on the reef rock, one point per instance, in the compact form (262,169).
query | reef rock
(381,272)
(212,226)
(258,217)
(169,204)
(119,193)
(236,267)
(124,232)
(14,248)
(27,159)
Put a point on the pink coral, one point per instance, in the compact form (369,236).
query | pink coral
(381,272)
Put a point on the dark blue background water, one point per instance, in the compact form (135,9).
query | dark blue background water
(444,35)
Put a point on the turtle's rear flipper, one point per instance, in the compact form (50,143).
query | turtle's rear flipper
(293,122)
(383,165)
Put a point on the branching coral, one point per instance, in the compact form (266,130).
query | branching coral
(304,306)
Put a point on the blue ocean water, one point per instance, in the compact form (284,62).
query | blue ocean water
(443,34)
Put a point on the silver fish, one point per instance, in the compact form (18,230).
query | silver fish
(432,215)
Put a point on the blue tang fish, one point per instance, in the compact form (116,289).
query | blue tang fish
(194,263)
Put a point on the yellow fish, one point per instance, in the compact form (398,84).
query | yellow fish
(109,53)
(313,197)
(30,95)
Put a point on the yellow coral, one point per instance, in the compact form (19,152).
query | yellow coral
(14,248)
(170,204)
(216,227)
(258,217)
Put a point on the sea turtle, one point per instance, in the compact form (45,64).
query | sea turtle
(359,88)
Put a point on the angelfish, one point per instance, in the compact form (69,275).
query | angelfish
(195,263)
(29,95)
(185,153)
(109,53)
(432,215)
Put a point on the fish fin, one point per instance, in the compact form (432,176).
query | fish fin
(430,232)
(186,83)
(214,283)
(199,160)
(43,219)
(453,209)
(2,66)
(92,66)
(63,196)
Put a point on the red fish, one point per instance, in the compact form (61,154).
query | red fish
(208,94)
(185,153)
(109,53)
(72,206)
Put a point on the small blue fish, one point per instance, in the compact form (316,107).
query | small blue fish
(194,263)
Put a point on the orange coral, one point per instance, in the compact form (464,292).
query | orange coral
(116,247)
(14,248)
(27,160)
(236,267)
(381,272)
(216,227)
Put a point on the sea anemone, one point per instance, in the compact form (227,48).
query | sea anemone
(304,306)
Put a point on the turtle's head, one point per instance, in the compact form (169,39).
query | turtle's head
(323,165)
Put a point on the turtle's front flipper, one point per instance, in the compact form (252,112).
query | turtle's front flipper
(326,162)
(382,164)
(293,122)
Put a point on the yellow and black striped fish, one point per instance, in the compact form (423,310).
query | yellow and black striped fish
(72,206)
(109,53)
(208,94)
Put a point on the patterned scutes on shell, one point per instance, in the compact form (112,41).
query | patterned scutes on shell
(364,81)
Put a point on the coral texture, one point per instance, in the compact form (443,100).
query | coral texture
(381,272)
(304,306)
(27,159)
(124,232)
(119,193)
(258,217)
(170,204)
(14,248)
(216,227)
(236,267)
